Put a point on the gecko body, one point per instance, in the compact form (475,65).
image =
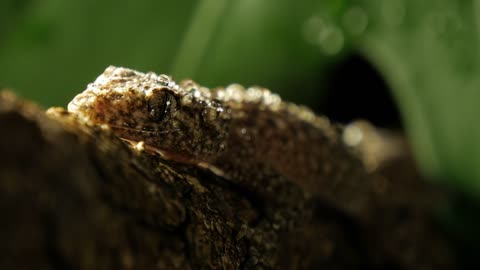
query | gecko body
(248,136)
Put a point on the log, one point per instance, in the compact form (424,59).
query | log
(74,196)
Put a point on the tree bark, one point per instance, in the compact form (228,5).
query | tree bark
(77,197)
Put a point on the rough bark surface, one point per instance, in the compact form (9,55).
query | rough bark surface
(77,197)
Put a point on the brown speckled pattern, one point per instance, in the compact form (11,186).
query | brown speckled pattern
(248,136)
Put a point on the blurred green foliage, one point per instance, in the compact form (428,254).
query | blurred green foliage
(426,50)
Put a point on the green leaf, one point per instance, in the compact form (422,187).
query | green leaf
(428,51)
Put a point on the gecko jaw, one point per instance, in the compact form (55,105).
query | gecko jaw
(144,131)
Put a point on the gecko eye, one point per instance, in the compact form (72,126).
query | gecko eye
(162,103)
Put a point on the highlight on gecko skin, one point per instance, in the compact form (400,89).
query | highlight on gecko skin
(121,97)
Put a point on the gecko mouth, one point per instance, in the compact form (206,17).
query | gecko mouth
(136,130)
(171,155)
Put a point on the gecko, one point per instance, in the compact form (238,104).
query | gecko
(245,135)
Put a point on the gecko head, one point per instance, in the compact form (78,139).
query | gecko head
(179,120)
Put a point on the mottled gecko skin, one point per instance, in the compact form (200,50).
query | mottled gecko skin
(244,135)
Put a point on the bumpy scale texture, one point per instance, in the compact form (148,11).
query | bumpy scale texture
(248,136)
